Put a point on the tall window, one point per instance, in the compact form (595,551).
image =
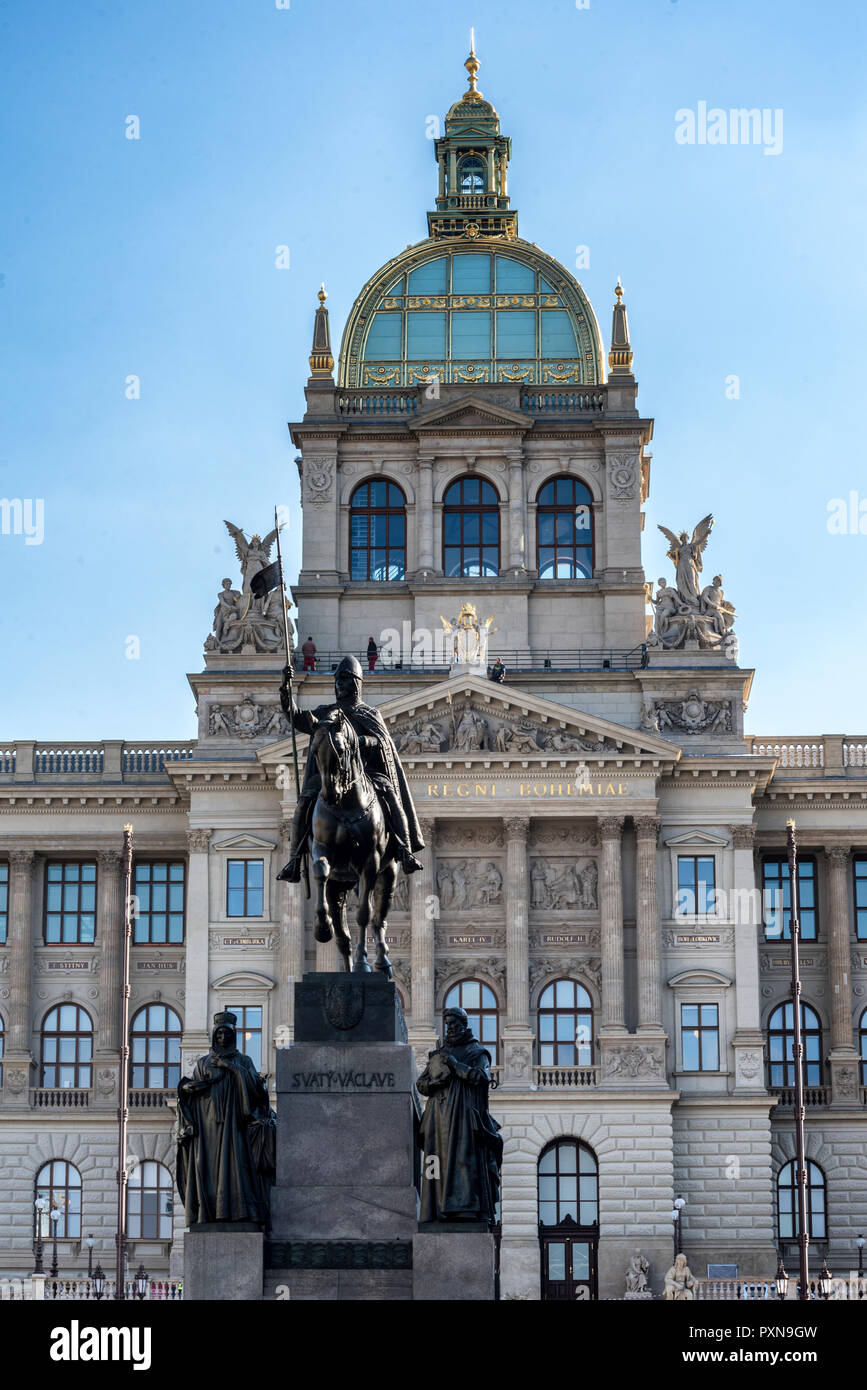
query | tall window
(699,1037)
(472,172)
(149,1201)
(67,1048)
(159,889)
(778,902)
(70,903)
(471,529)
(787,1202)
(565,1026)
(568,1185)
(2,1042)
(156,1048)
(4,901)
(245,880)
(696,885)
(860,869)
(480,1003)
(781,1026)
(862,1038)
(564,530)
(58,1183)
(377,532)
(248,1032)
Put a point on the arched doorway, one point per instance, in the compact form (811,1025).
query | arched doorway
(569,1221)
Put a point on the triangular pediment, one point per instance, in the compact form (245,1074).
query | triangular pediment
(470,412)
(244,841)
(698,838)
(493,723)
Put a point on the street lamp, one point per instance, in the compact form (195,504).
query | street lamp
(676,1217)
(826,1280)
(54,1216)
(99,1282)
(90,1257)
(860,1243)
(782,1279)
(141,1282)
(39,1204)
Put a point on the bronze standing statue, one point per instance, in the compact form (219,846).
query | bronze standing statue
(226,1135)
(461,1142)
(356,809)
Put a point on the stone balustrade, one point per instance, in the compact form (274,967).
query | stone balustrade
(111,760)
(83,1288)
(564,1078)
(813,1095)
(59,1098)
(828,755)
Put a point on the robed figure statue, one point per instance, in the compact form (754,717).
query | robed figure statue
(226,1135)
(461,1142)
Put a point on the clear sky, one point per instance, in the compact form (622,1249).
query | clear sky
(305,126)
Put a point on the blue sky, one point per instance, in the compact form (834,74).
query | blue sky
(306,127)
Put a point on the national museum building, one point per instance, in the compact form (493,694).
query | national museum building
(605,887)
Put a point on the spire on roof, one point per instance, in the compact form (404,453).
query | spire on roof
(620,357)
(321,360)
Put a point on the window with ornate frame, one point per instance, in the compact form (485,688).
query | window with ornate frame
(155,1049)
(565,1015)
(377,531)
(781,1065)
(58,1183)
(480,1005)
(471,529)
(696,885)
(245,887)
(149,1202)
(67,1048)
(787,1202)
(777,901)
(472,174)
(564,529)
(69,907)
(699,1037)
(159,889)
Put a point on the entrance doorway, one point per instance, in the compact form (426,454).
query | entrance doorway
(569,1221)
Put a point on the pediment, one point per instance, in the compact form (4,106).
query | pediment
(700,978)
(469,719)
(470,412)
(244,841)
(700,839)
(244,979)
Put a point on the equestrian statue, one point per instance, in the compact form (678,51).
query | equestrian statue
(354,812)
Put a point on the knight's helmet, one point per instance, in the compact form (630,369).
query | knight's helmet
(353,666)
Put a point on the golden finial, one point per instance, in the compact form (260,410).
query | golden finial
(619,290)
(322,295)
(472,64)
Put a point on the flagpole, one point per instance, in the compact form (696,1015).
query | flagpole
(305,870)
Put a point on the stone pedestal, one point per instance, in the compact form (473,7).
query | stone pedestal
(453,1266)
(223,1262)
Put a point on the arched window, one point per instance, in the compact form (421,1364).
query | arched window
(568,1220)
(67,1048)
(564,530)
(149,1202)
(480,1004)
(787,1202)
(377,531)
(156,1048)
(472,174)
(58,1183)
(565,1025)
(862,1038)
(780,1037)
(471,530)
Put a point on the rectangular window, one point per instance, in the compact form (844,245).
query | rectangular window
(429,278)
(425,336)
(777,902)
(696,885)
(516,333)
(513,276)
(249,1031)
(4,902)
(471,334)
(159,893)
(558,339)
(69,914)
(699,1037)
(471,274)
(383,340)
(860,865)
(245,891)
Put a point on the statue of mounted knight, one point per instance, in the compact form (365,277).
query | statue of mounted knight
(355,814)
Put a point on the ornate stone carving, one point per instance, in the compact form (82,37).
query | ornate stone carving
(846,1079)
(610,827)
(692,937)
(566,966)
(468,637)
(566,883)
(106,1082)
(402,971)
(749,1065)
(423,736)
(472,732)
(515,738)
(517,827)
(647,827)
(198,841)
(471,966)
(694,715)
(463,884)
(687,613)
(518,1060)
(248,719)
(593,939)
(838,854)
(242,622)
(318,480)
(633,1060)
(622,472)
(16,1081)
(546,834)
(21,859)
(743,836)
(400,897)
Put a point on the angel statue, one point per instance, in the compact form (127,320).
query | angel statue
(685,555)
(254,554)
(469,636)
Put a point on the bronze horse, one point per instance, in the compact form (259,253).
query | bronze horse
(351,846)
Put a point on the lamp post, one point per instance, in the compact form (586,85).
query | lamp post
(860,1243)
(782,1279)
(99,1282)
(797,1057)
(90,1257)
(39,1204)
(676,1217)
(141,1282)
(826,1280)
(54,1217)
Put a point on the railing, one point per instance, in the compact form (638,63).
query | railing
(792,754)
(111,760)
(544,659)
(150,1100)
(137,759)
(157,1289)
(726,1289)
(59,1098)
(854,754)
(377,403)
(7,760)
(562,402)
(564,1078)
(813,1095)
(63,758)
(831,755)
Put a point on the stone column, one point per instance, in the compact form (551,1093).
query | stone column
(196,1038)
(110,930)
(647,926)
(517,1034)
(843,1058)
(748,1042)
(424,514)
(517,514)
(291,954)
(423,927)
(18,1060)
(611,911)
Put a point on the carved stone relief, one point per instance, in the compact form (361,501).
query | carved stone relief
(463,884)
(558,884)
(248,719)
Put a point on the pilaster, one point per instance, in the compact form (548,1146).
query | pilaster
(18,1062)
(517,1033)
(291,954)
(196,1036)
(748,1043)
(422,1031)
(843,1059)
